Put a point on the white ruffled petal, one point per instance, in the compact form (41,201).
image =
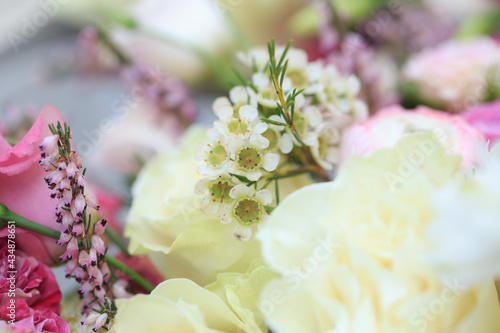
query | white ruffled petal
(300,100)
(248,112)
(201,186)
(239,191)
(226,214)
(271,161)
(254,176)
(220,102)
(200,152)
(207,206)
(242,232)
(259,141)
(238,95)
(204,170)
(286,143)
(260,80)
(225,113)
(313,115)
(213,134)
(260,128)
(264,197)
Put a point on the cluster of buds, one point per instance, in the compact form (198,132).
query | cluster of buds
(291,111)
(167,96)
(85,248)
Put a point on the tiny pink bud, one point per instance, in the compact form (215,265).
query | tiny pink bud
(86,287)
(73,246)
(98,245)
(100,322)
(49,144)
(100,227)
(78,229)
(99,293)
(84,259)
(65,237)
(71,170)
(80,274)
(92,201)
(106,274)
(71,265)
(76,159)
(79,203)
(91,318)
(119,289)
(93,257)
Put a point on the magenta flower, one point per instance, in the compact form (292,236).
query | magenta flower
(35,283)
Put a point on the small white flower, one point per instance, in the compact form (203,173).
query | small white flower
(246,210)
(249,158)
(242,125)
(238,96)
(326,151)
(214,154)
(215,191)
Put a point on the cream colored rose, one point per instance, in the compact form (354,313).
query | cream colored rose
(180,305)
(350,251)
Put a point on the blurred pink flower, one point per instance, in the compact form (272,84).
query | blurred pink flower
(486,118)
(24,191)
(29,320)
(392,123)
(454,73)
(35,282)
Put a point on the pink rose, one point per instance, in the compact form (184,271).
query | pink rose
(455,73)
(35,282)
(390,124)
(486,118)
(30,321)
(24,191)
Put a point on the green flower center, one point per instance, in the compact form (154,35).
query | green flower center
(217,155)
(249,159)
(220,191)
(248,211)
(237,126)
(272,136)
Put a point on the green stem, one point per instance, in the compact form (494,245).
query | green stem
(115,238)
(7,215)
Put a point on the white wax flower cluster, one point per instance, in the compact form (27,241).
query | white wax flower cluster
(291,110)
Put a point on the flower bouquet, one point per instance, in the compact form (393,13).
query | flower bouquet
(348,181)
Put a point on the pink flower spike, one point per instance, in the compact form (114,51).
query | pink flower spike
(98,245)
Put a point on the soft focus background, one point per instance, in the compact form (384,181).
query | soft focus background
(48,56)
